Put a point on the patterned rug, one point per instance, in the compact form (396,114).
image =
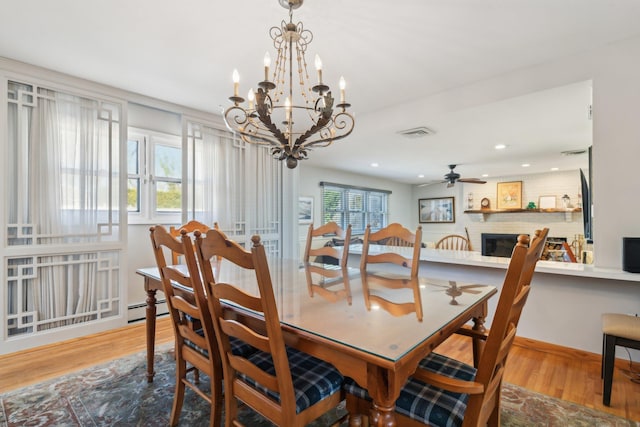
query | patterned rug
(117,394)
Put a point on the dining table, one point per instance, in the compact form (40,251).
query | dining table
(373,326)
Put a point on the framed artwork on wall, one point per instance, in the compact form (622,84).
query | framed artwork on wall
(438,209)
(509,195)
(305,210)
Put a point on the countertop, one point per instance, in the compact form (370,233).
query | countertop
(476,259)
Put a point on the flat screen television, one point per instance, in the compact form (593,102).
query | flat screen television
(586,205)
(498,244)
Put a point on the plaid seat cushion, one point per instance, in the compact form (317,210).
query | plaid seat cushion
(238,347)
(427,404)
(313,379)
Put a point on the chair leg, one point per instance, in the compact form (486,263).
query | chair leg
(608,364)
(215,420)
(494,417)
(178,397)
(602,359)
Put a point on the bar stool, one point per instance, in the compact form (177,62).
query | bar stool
(617,329)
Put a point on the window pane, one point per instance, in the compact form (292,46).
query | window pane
(168,161)
(332,199)
(133,156)
(355,200)
(133,195)
(375,202)
(357,221)
(337,217)
(168,196)
(376,220)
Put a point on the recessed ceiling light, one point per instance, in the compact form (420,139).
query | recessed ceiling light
(500,147)
(555,169)
(484,175)
(525,165)
(374,165)
(421,176)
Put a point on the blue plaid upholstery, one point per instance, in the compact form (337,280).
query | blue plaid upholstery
(427,404)
(238,347)
(313,379)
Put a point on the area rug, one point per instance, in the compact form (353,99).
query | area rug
(117,394)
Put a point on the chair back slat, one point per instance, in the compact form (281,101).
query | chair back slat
(340,256)
(402,237)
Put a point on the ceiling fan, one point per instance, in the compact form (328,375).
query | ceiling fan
(452,177)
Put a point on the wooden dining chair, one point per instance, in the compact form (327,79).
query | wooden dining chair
(189,227)
(196,348)
(339,254)
(454,242)
(286,386)
(446,392)
(394,253)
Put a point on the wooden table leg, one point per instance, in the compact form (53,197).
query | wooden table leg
(383,416)
(150,319)
(478,325)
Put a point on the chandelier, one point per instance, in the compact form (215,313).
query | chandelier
(290,121)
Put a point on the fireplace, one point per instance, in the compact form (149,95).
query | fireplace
(498,244)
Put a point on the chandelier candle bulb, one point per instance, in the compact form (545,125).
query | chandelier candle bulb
(343,84)
(287,109)
(251,96)
(267,64)
(236,82)
(318,62)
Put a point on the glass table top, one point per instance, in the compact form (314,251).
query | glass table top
(383,314)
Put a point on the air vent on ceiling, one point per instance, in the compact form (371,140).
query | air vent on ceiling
(573,152)
(417,132)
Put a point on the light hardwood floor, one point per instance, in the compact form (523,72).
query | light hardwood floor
(555,371)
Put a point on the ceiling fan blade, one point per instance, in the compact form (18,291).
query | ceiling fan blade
(426,184)
(472,180)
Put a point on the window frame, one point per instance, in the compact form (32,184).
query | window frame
(148,179)
(347,210)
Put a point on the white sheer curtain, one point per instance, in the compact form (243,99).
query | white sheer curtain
(236,185)
(218,189)
(63,149)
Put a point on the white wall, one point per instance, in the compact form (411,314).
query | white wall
(309,185)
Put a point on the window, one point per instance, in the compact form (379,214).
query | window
(354,205)
(154,167)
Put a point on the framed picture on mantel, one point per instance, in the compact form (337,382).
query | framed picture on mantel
(509,195)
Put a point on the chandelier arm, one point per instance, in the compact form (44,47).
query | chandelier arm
(342,121)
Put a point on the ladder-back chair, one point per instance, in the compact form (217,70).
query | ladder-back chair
(189,227)
(194,333)
(339,253)
(287,386)
(395,238)
(446,392)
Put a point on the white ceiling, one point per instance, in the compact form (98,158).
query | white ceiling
(392,54)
